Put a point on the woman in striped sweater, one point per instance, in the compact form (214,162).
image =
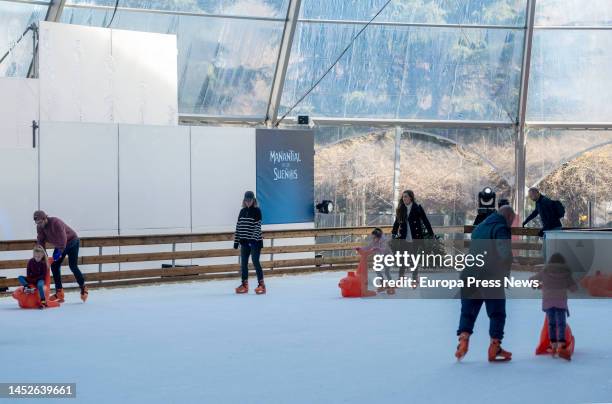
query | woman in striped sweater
(248,237)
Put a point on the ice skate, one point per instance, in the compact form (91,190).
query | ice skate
(497,353)
(243,288)
(58,296)
(563,352)
(462,347)
(261,288)
(553,349)
(84,293)
(43,304)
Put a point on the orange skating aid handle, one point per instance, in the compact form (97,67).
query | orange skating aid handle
(362,272)
(355,284)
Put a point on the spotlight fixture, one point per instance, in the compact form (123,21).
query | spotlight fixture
(486,204)
(325,206)
(486,198)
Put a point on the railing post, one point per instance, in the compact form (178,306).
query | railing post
(272,254)
(99,264)
(173,251)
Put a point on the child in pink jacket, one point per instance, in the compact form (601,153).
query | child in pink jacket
(555,280)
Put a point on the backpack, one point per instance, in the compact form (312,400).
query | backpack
(559,209)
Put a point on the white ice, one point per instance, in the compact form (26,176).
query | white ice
(300,343)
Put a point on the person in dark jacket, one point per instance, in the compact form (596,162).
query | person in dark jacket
(66,243)
(492,236)
(410,219)
(248,237)
(545,207)
(36,274)
(410,215)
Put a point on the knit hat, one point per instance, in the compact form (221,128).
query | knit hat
(249,195)
(40,215)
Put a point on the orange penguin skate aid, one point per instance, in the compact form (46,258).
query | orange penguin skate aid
(32,300)
(545,347)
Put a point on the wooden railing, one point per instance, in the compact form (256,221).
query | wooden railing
(329,242)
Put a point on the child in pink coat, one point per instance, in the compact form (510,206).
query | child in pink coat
(555,280)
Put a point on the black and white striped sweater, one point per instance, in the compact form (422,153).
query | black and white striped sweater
(248,227)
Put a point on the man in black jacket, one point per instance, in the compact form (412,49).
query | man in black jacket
(545,207)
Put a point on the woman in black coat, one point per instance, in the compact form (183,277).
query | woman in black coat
(410,223)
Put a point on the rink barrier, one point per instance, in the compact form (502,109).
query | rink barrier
(220,271)
(229,252)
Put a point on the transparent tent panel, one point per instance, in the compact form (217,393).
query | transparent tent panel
(406,72)
(226,66)
(446,168)
(14,19)
(575,166)
(252,8)
(490,12)
(570,76)
(574,12)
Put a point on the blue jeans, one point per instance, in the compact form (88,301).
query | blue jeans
(496,310)
(556,324)
(253,250)
(40,285)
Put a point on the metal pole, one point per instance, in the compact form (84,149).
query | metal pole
(521,141)
(54,12)
(293,12)
(397,167)
(34,51)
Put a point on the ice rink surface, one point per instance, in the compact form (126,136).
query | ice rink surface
(301,343)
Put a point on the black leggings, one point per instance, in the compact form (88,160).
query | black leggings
(253,250)
(72,251)
(405,245)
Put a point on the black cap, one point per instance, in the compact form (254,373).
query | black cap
(249,195)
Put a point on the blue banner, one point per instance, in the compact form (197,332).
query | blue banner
(285,175)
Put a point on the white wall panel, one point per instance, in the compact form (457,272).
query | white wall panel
(79,174)
(18,108)
(76,73)
(18,193)
(154,178)
(90,74)
(145,78)
(222,169)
